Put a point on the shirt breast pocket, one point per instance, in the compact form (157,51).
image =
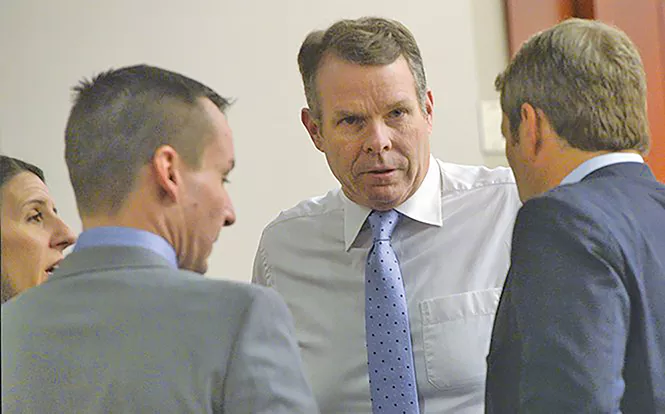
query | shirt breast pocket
(456,337)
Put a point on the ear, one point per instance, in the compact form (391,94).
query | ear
(166,166)
(529,131)
(313,128)
(429,108)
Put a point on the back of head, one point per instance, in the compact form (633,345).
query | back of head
(10,167)
(364,41)
(588,78)
(119,119)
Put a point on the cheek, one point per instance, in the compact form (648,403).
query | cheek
(413,145)
(4,255)
(342,157)
(16,241)
(22,252)
(413,138)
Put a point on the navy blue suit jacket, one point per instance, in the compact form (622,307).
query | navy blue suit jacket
(580,326)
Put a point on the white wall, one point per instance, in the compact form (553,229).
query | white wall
(243,49)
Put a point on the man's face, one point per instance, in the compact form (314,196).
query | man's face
(372,130)
(207,206)
(518,161)
(33,235)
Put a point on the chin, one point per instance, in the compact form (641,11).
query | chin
(388,197)
(201,268)
(193,267)
(383,204)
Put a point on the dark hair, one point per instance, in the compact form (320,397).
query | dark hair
(118,121)
(10,167)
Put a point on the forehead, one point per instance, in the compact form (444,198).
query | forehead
(22,188)
(342,84)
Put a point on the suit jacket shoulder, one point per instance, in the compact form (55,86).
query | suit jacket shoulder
(580,324)
(127,333)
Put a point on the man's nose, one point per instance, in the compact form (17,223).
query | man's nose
(378,138)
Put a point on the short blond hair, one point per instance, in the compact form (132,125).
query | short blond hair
(588,78)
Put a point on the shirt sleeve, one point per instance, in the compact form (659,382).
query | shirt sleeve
(260,272)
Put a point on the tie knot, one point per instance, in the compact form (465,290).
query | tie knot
(383,223)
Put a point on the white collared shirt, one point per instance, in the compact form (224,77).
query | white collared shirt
(453,244)
(598,162)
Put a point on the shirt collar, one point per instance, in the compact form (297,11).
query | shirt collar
(596,163)
(125,236)
(424,205)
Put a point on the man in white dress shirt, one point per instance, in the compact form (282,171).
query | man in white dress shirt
(370,112)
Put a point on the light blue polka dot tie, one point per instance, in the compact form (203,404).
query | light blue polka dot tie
(390,359)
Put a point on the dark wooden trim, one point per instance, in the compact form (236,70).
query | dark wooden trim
(527,17)
(643,21)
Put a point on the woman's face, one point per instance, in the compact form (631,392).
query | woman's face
(33,236)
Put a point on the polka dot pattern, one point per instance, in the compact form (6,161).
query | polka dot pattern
(390,359)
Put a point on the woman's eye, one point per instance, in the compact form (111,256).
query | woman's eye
(37,217)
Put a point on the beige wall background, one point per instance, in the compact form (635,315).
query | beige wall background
(246,50)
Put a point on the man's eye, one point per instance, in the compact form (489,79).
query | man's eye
(37,217)
(349,120)
(397,113)
(226,180)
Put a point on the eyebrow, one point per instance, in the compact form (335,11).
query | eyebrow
(342,113)
(31,201)
(38,201)
(402,103)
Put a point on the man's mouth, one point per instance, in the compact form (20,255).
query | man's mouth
(383,172)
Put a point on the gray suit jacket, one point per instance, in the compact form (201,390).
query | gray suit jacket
(117,330)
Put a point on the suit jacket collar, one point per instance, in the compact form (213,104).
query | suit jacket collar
(623,169)
(95,259)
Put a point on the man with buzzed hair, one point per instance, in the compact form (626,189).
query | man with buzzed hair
(127,323)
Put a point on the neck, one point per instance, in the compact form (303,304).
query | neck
(93,221)
(566,163)
(551,168)
(141,216)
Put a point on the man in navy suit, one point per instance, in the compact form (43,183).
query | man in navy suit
(580,326)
